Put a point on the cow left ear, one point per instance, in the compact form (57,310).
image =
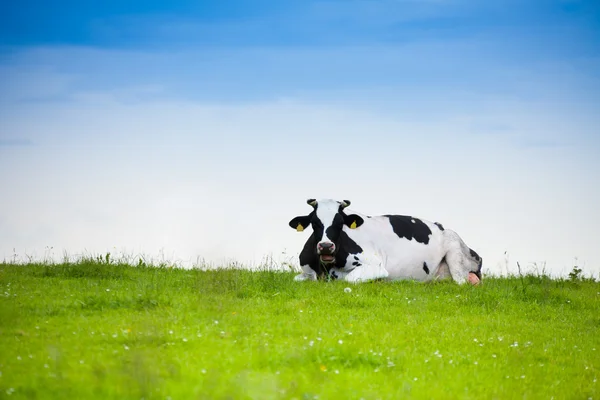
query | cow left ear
(353,221)
(300,223)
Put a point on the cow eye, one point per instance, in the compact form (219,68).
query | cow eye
(338,220)
(317,223)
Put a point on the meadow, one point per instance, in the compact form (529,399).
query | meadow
(97,329)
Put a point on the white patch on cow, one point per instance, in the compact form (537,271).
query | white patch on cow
(326,211)
(307,274)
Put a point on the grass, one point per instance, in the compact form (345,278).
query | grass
(95,329)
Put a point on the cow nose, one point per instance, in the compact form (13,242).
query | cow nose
(326,247)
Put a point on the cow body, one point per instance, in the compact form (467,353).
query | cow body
(383,247)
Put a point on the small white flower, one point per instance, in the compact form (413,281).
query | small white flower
(216,322)
(493,355)
(450,362)
(347,290)
(184,339)
(318,338)
(340,341)
(416,379)
(19,358)
(475,340)
(475,362)
(337,372)
(170,332)
(114,335)
(311,343)
(108,290)
(125,347)
(203,371)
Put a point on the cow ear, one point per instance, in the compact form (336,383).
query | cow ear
(353,221)
(300,223)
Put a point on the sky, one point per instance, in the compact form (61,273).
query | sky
(192,132)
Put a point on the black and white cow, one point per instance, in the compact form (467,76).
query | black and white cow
(359,248)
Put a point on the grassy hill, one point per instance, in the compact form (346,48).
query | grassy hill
(96,329)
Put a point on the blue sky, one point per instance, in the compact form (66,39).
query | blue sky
(198,129)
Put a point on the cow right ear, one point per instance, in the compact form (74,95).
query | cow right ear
(353,221)
(300,223)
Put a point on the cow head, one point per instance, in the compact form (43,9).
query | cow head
(327,220)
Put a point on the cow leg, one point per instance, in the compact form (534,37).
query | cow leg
(366,273)
(443,272)
(308,274)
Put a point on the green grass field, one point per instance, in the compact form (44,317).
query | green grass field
(103,330)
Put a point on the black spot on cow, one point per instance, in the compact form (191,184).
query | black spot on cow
(439,226)
(474,255)
(346,247)
(410,228)
(425,268)
(333,275)
(479,260)
(356,264)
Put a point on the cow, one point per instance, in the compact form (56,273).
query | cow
(359,248)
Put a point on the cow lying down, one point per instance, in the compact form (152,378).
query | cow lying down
(358,248)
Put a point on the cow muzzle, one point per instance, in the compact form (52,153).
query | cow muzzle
(326,251)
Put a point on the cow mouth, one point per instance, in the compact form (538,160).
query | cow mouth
(327,258)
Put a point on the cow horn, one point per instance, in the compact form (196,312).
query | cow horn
(345,203)
(311,202)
